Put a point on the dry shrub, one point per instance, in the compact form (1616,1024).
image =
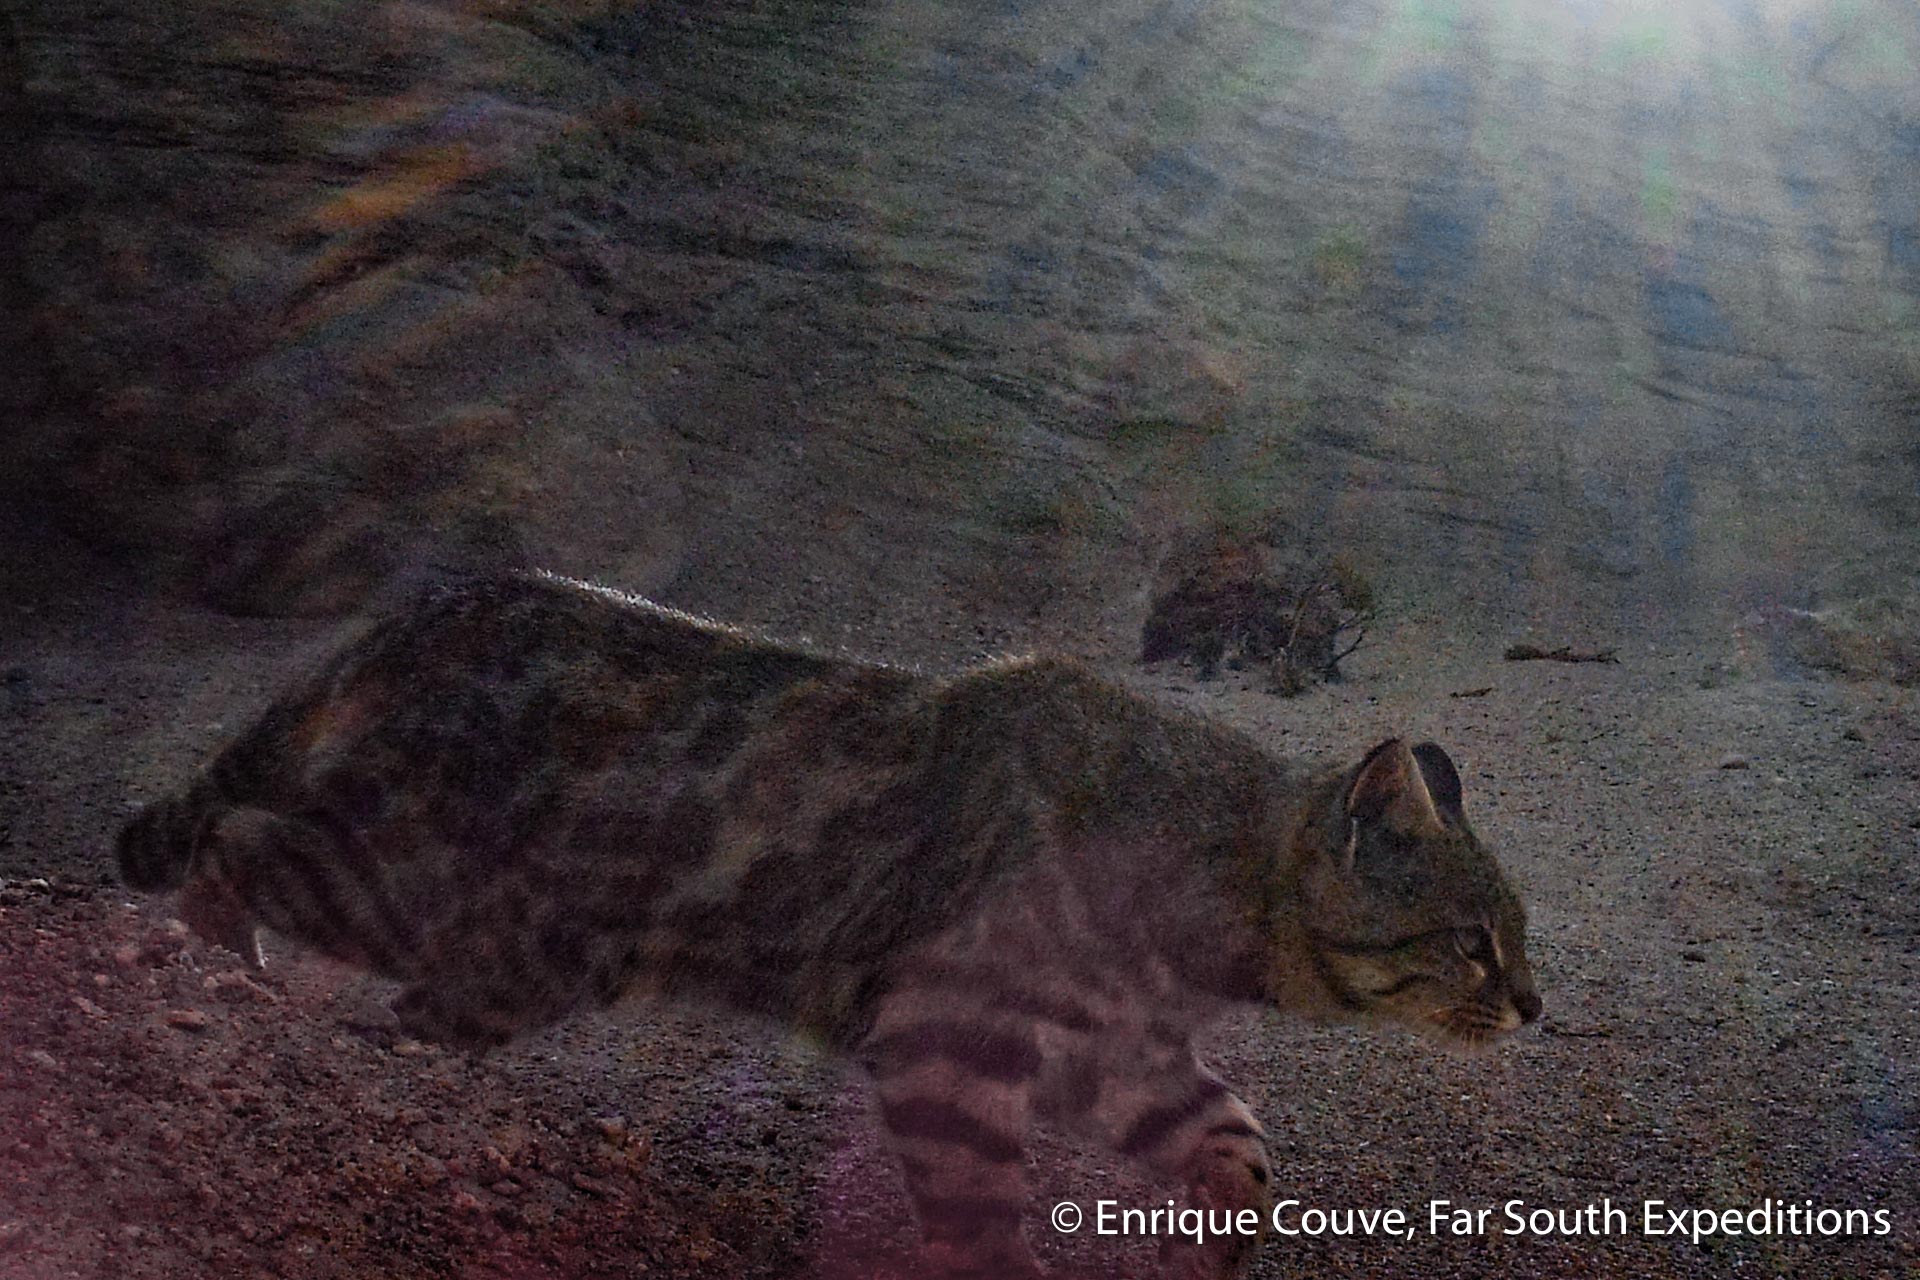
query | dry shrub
(1233,600)
(1877,638)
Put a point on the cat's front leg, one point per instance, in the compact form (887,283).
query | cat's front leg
(1155,1104)
(953,1091)
(1226,1170)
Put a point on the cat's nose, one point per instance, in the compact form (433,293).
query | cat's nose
(1527,1005)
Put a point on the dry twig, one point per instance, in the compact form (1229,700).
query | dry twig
(1565,653)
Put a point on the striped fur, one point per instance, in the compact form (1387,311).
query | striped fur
(1014,895)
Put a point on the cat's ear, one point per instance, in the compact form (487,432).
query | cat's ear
(1391,789)
(1442,779)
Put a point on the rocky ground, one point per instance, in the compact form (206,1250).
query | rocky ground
(1720,860)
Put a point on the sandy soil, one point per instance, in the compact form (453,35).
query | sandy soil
(1720,863)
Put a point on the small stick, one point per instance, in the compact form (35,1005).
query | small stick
(1565,653)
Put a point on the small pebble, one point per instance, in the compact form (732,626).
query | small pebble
(187,1019)
(592,1186)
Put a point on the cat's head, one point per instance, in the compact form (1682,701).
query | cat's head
(1408,918)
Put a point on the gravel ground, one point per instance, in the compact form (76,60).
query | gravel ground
(1720,860)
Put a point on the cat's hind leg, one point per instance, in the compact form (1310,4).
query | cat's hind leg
(500,967)
(210,907)
(451,1016)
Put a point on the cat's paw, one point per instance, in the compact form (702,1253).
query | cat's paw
(427,1015)
(1235,1179)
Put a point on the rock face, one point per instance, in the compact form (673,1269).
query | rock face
(1585,312)
(287,354)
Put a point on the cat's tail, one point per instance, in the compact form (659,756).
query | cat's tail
(155,849)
